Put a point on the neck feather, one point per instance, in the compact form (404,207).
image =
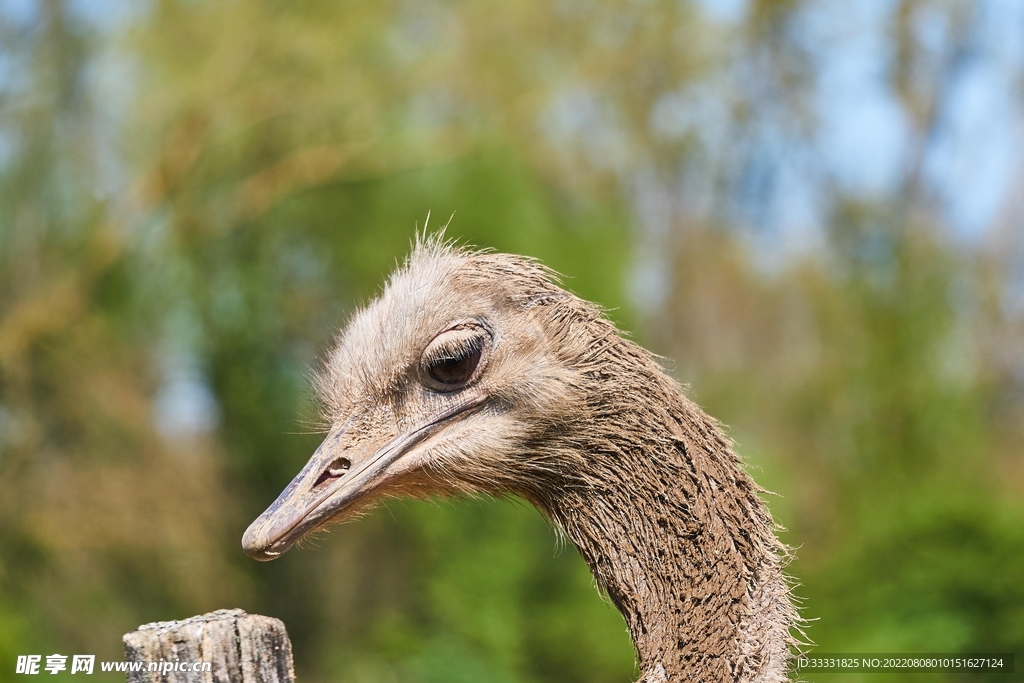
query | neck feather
(675,532)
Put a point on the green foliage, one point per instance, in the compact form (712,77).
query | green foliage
(200,195)
(491,590)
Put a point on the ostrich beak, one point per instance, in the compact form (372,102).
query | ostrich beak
(324,489)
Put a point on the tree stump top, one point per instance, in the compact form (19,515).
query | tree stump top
(162,627)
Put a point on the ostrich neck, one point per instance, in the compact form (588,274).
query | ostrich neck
(676,534)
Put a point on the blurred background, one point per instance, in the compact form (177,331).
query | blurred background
(813,208)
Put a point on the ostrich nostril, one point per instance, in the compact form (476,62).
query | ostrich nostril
(337,468)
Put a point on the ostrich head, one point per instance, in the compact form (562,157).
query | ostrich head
(475,372)
(461,377)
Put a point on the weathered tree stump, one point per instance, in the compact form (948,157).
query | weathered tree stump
(240,648)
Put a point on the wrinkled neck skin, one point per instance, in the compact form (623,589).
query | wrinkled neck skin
(676,534)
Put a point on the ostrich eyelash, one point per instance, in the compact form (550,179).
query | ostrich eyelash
(455,349)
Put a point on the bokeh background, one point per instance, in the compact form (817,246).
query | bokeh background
(814,209)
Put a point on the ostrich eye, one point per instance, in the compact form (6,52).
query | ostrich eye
(452,359)
(455,370)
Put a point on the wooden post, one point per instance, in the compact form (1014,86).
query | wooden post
(240,647)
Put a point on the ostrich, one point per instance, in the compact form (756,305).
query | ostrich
(474,372)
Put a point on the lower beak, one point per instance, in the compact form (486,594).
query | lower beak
(313,498)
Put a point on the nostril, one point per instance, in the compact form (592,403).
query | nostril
(337,468)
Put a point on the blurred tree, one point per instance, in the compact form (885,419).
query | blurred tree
(193,196)
(94,536)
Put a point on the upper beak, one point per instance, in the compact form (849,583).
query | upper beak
(313,497)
